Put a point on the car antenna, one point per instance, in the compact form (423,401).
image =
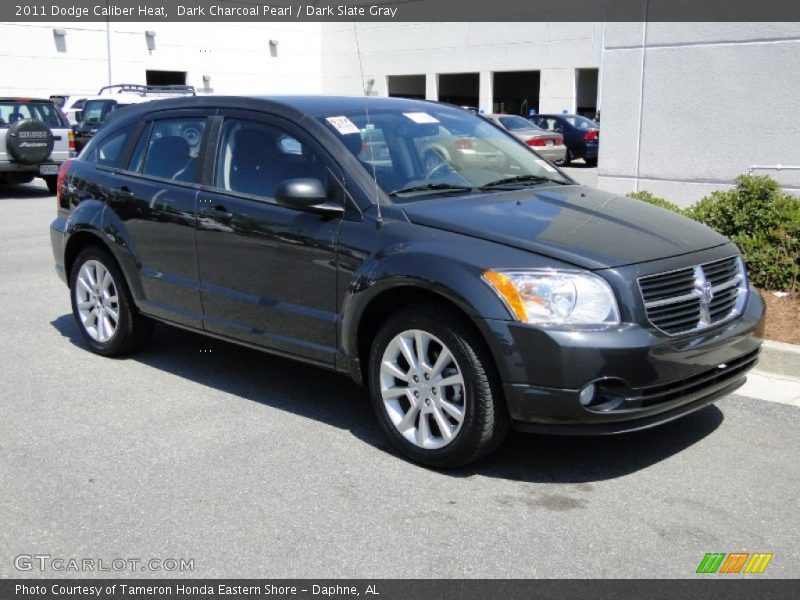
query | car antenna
(379,222)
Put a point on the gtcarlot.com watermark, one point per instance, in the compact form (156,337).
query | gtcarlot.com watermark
(59,564)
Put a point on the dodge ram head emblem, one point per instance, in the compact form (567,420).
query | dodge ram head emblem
(704,290)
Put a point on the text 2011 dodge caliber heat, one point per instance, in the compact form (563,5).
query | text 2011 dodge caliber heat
(420,249)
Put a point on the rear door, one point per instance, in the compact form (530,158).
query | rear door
(156,195)
(268,273)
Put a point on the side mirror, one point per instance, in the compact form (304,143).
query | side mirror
(305,194)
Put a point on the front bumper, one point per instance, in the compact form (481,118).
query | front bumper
(641,378)
(552,153)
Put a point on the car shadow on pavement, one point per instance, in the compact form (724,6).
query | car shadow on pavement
(21,191)
(334,399)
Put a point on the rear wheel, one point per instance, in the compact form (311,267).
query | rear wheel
(102,305)
(52,183)
(433,388)
(568,158)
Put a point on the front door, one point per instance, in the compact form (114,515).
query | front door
(268,273)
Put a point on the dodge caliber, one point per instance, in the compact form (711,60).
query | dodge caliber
(468,296)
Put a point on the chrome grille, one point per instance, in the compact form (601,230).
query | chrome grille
(695,298)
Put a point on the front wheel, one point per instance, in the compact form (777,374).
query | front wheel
(103,307)
(433,388)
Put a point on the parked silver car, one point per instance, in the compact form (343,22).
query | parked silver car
(548,145)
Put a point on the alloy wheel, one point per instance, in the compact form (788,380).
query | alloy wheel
(97,301)
(422,388)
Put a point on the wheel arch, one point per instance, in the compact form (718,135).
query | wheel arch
(395,297)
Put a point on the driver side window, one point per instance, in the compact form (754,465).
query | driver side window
(254,158)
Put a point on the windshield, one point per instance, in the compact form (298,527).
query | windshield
(416,155)
(582,122)
(46,112)
(93,111)
(514,123)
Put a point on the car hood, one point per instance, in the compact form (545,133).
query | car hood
(575,224)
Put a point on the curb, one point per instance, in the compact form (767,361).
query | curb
(780,358)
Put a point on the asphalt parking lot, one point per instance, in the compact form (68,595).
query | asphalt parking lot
(256,466)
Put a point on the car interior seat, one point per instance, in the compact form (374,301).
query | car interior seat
(169,158)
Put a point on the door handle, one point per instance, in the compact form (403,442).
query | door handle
(122,192)
(221,212)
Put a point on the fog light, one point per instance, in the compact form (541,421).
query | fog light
(587,395)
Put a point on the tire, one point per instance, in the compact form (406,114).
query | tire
(568,158)
(591,162)
(29,141)
(52,183)
(484,420)
(115,337)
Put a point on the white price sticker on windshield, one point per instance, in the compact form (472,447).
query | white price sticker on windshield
(343,125)
(421,117)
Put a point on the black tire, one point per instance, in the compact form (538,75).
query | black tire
(486,421)
(568,158)
(132,329)
(52,183)
(29,141)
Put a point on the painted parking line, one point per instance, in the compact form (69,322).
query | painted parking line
(772,388)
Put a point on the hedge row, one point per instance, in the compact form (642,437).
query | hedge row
(758,217)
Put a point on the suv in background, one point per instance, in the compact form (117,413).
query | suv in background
(96,109)
(35,138)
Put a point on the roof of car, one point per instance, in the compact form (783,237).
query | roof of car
(308,105)
(21,100)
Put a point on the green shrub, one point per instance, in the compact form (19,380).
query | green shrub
(655,200)
(764,222)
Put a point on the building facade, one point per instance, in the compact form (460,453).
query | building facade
(685,107)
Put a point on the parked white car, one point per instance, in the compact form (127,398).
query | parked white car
(35,138)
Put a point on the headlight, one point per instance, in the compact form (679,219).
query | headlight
(555,297)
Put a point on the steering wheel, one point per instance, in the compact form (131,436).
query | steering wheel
(432,163)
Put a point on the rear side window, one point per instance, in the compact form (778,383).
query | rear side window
(46,112)
(110,151)
(173,148)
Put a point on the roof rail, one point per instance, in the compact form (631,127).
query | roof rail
(144,90)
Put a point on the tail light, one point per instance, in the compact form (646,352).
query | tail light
(538,142)
(62,178)
(591,136)
(71,143)
(465,144)
(559,141)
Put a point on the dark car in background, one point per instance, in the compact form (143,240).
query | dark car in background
(468,297)
(581,135)
(95,110)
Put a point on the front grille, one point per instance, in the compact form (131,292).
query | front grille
(695,297)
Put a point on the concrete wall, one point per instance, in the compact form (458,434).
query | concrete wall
(555,49)
(686,107)
(236,56)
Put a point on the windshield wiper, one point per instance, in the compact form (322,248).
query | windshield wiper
(432,187)
(520,179)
